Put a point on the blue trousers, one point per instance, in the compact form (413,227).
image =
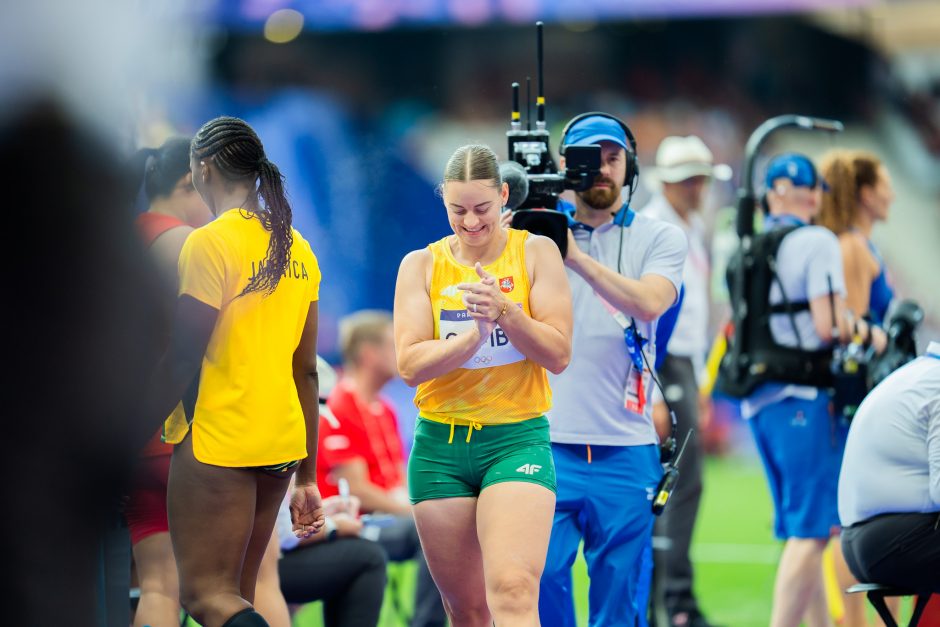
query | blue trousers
(644,586)
(604,498)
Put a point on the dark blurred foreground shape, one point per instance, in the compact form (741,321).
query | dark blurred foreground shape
(81,327)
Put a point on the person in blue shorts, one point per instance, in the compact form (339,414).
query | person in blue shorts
(799,439)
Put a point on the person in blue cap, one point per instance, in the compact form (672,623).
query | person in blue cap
(799,440)
(625,270)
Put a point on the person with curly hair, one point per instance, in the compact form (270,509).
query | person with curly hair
(860,195)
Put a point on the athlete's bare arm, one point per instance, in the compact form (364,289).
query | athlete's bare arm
(420,356)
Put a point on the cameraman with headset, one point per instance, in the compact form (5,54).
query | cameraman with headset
(625,270)
(798,438)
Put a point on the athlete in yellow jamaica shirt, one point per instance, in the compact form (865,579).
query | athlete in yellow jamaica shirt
(247,315)
(479,316)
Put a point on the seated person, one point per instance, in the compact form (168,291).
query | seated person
(335,566)
(363,446)
(889,486)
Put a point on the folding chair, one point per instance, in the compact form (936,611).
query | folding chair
(876,594)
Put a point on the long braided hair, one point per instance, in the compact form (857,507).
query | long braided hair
(239,155)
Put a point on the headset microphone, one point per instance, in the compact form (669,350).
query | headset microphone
(668,483)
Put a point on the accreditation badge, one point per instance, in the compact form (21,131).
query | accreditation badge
(635,391)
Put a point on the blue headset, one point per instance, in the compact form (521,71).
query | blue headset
(632,175)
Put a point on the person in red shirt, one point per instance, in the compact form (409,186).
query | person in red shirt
(359,442)
(174,211)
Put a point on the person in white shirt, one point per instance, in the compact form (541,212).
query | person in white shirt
(684,167)
(889,485)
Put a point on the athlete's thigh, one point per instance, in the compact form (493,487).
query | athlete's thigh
(211,514)
(448,532)
(514,523)
(270,493)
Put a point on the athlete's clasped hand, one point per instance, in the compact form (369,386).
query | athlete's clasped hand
(484,300)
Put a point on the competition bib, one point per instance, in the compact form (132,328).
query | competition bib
(495,351)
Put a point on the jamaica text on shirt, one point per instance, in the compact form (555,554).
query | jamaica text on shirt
(293,270)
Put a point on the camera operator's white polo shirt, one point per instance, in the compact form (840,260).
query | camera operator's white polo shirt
(588,397)
(892,457)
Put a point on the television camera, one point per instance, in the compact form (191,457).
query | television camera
(535,181)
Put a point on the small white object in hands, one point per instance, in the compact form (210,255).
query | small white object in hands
(343,486)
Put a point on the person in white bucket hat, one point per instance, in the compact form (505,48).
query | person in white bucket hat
(679,159)
(684,168)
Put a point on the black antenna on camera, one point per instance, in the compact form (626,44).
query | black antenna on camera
(514,122)
(528,103)
(540,100)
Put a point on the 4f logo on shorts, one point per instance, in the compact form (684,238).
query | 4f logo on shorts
(506,284)
(529,469)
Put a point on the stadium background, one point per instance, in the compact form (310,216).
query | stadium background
(361,103)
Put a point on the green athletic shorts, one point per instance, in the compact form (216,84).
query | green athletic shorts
(519,451)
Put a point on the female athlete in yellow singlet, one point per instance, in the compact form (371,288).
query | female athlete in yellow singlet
(479,316)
